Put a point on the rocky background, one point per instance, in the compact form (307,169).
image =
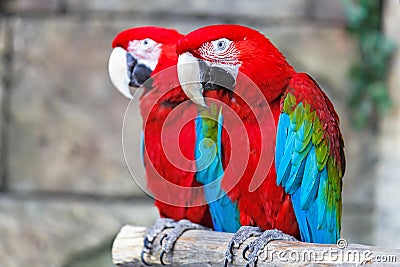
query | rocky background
(65,189)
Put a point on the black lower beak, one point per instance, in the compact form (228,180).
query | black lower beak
(215,78)
(137,73)
(140,74)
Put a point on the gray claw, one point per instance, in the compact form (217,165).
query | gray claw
(238,238)
(146,244)
(172,237)
(226,262)
(162,239)
(142,258)
(245,251)
(160,225)
(256,246)
(162,257)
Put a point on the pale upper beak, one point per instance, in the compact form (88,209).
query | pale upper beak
(189,77)
(118,71)
(126,72)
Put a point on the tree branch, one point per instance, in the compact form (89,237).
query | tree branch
(207,248)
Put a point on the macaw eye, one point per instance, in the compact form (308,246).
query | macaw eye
(147,42)
(221,44)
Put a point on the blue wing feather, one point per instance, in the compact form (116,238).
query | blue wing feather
(294,181)
(281,137)
(309,185)
(285,142)
(224,212)
(297,172)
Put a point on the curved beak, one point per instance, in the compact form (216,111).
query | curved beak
(118,71)
(196,76)
(125,72)
(189,77)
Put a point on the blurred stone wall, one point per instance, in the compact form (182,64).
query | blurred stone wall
(65,187)
(387,218)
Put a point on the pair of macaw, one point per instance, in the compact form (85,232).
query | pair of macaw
(261,150)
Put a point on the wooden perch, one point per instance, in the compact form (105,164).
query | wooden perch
(207,248)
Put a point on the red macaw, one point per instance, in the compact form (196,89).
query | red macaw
(300,194)
(149,54)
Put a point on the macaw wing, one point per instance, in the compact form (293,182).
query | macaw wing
(310,159)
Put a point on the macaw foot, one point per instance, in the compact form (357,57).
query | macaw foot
(171,238)
(238,238)
(256,246)
(160,225)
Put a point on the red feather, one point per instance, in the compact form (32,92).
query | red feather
(160,127)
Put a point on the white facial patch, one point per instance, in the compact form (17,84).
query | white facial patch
(145,51)
(222,53)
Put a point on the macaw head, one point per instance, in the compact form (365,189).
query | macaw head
(212,58)
(139,53)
